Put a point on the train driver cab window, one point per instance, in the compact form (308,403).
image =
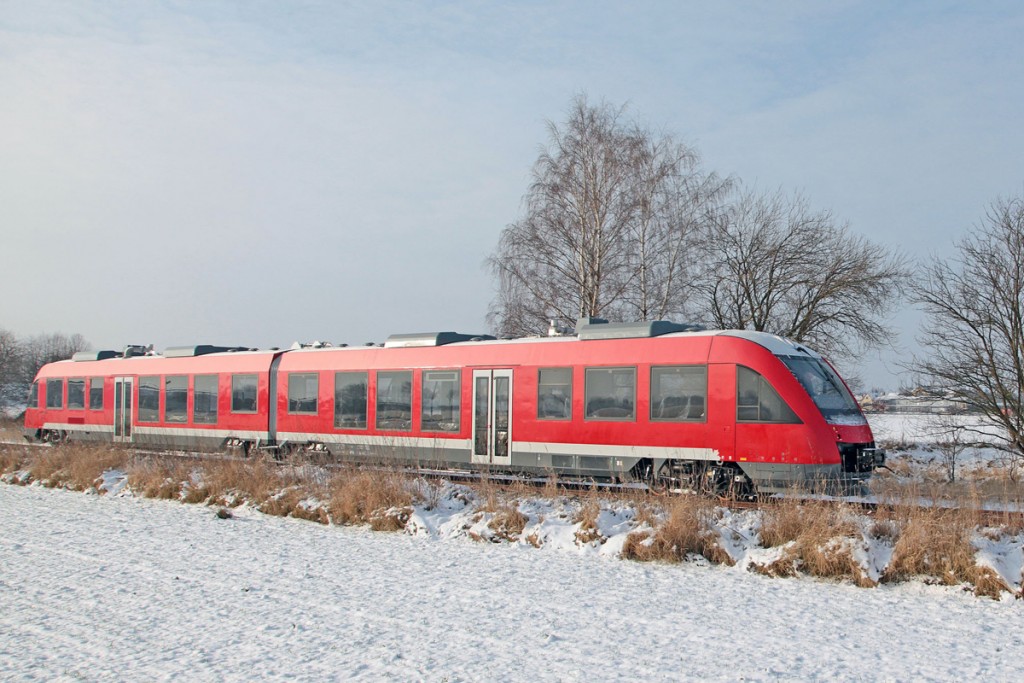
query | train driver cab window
(679,393)
(610,393)
(243,393)
(441,400)
(757,401)
(394,400)
(55,393)
(76,393)
(204,399)
(176,399)
(96,393)
(33,395)
(149,399)
(350,400)
(303,390)
(554,394)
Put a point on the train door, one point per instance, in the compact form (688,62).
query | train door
(492,417)
(123,409)
(721,434)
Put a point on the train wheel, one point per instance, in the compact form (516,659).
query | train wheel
(724,481)
(54,436)
(658,482)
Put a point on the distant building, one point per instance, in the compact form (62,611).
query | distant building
(921,400)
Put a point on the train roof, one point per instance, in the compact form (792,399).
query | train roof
(585,332)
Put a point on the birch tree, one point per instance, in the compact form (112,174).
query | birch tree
(607,220)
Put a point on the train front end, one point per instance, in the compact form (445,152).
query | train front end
(811,433)
(858,454)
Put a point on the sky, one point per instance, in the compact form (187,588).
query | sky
(256,173)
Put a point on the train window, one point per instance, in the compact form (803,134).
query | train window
(610,393)
(441,400)
(76,393)
(757,401)
(96,393)
(243,394)
(176,399)
(350,400)
(303,391)
(554,393)
(394,400)
(679,393)
(54,393)
(826,389)
(149,399)
(33,395)
(204,398)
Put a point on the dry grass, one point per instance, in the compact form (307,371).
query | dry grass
(10,429)
(230,482)
(12,459)
(688,528)
(284,502)
(935,544)
(379,498)
(508,522)
(160,477)
(586,517)
(73,466)
(816,537)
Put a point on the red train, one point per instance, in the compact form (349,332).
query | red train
(653,402)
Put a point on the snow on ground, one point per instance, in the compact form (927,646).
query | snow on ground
(925,429)
(121,588)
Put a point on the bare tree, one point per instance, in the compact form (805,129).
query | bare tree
(952,434)
(674,198)
(10,366)
(975,321)
(41,349)
(606,225)
(774,265)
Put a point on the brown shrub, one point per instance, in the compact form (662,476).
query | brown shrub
(637,546)
(818,536)
(391,519)
(508,522)
(283,503)
(312,513)
(12,459)
(45,466)
(647,512)
(86,465)
(782,567)
(782,521)
(159,477)
(231,481)
(688,528)
(194,494)
(73,466)
(586,516)
(358,497)
(935,544)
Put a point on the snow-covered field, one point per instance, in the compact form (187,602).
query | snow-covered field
(925,429)
(123,588)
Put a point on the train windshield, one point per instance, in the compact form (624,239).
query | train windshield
(826,389)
